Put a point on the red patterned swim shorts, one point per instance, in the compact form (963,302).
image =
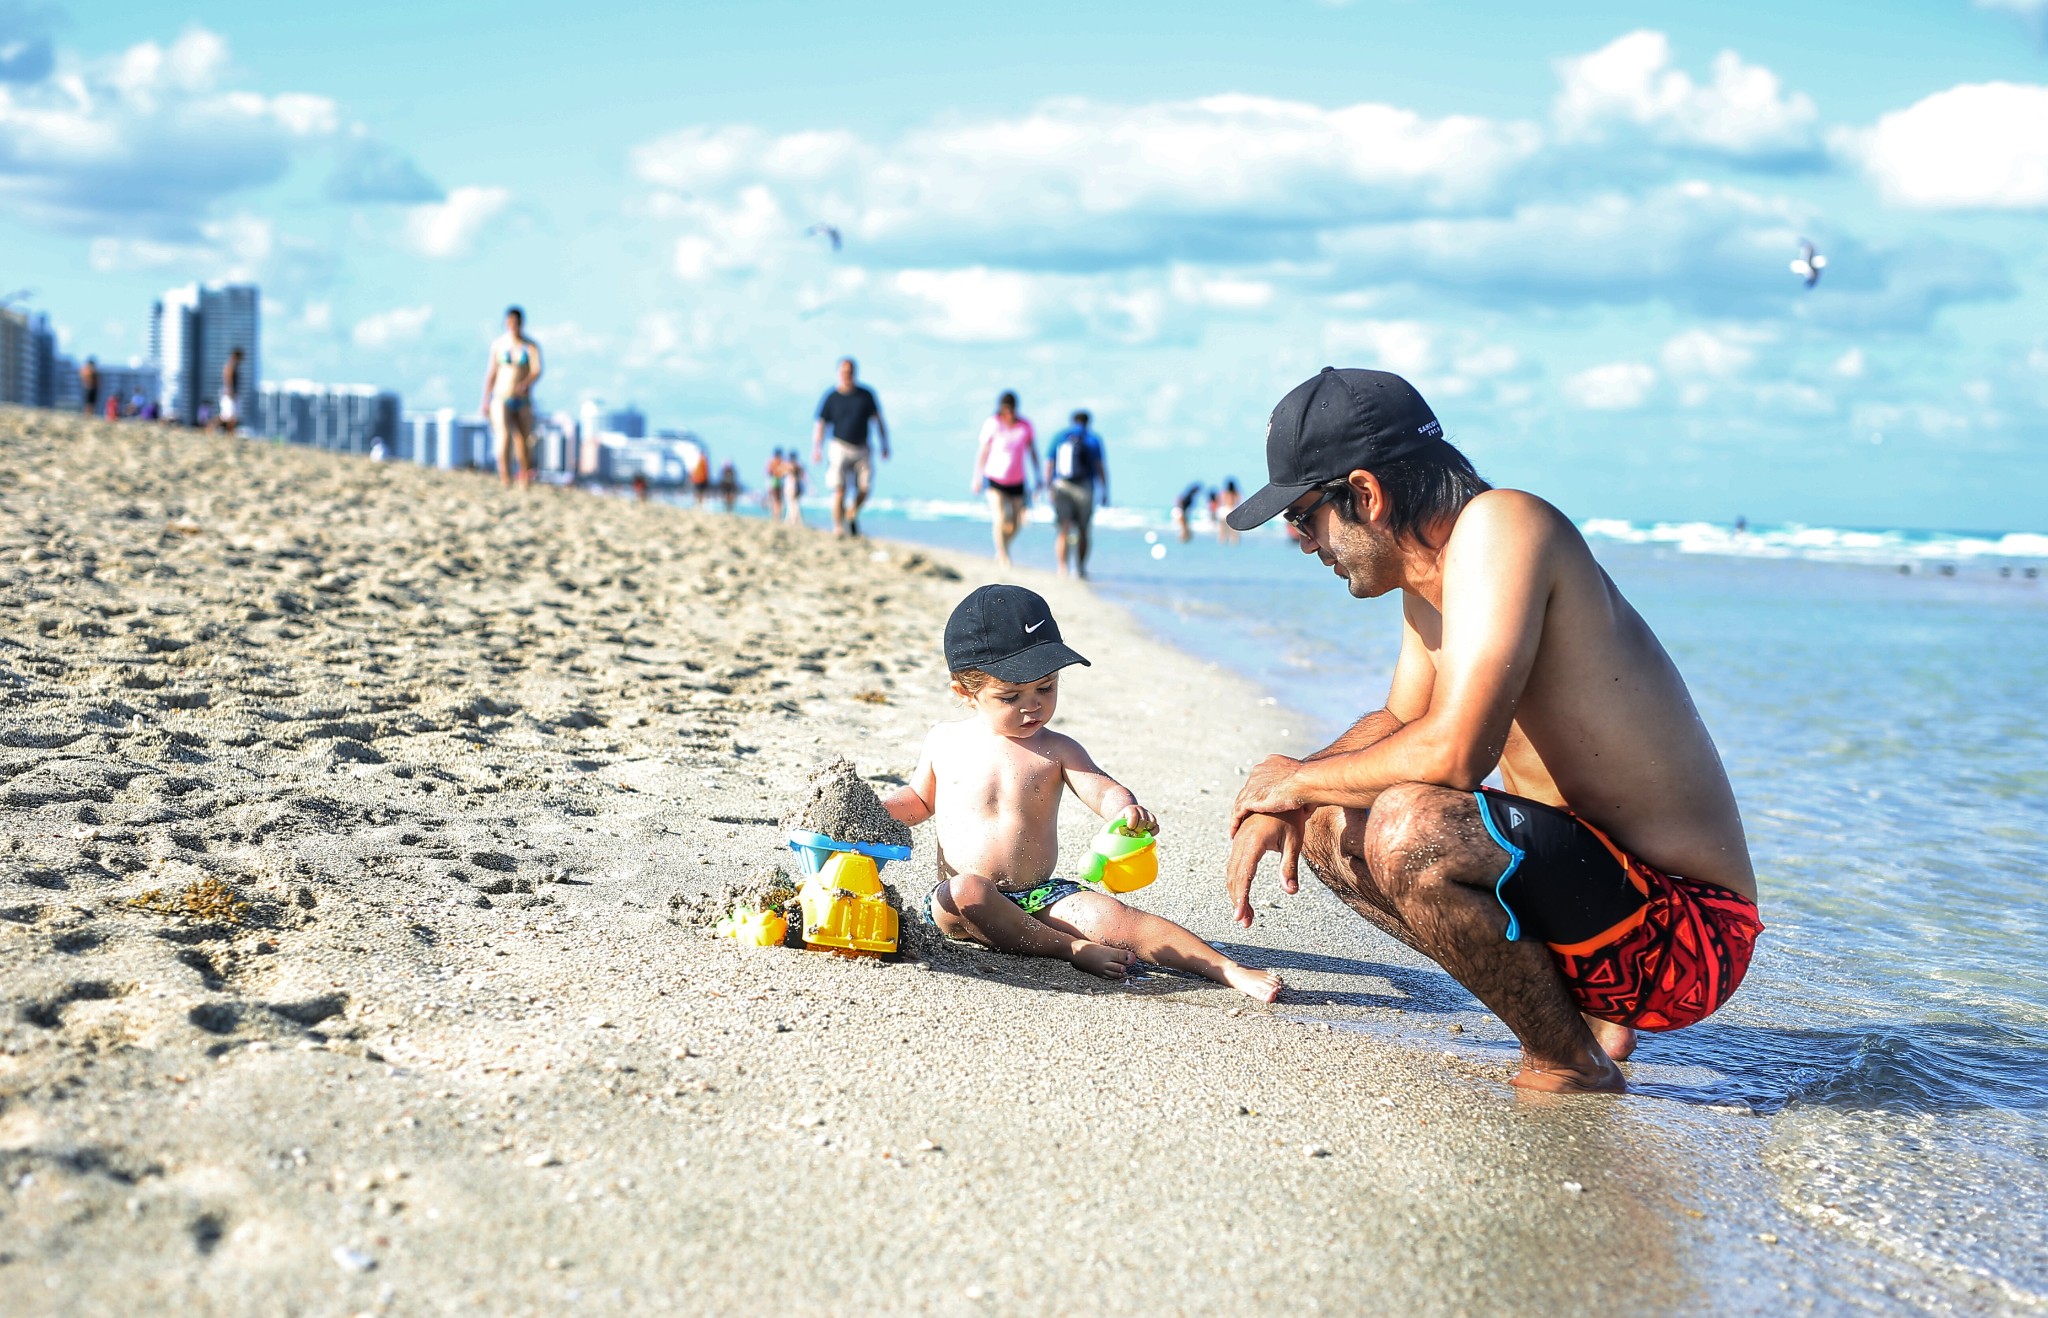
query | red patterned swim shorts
(1635,946)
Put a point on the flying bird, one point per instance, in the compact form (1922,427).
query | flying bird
(825,229)
(1809,264)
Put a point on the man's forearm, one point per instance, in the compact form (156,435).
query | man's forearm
(1407,753)
(1374,727)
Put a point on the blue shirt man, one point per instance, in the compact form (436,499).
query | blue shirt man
(1075,467)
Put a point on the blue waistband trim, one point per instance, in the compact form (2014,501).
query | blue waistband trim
(1515,855)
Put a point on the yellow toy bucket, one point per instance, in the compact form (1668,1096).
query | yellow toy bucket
(1121,859)
(845,909)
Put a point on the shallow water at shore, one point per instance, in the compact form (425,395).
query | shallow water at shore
(1882,731)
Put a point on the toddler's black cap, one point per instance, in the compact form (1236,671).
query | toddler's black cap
(1329,426)
(1007,632)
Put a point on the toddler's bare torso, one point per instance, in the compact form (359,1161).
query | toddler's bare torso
(996,802)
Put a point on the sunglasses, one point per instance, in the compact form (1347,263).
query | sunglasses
(1298,517)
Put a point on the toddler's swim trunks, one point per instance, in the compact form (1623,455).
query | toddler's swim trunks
(1031,901)
(1636,946)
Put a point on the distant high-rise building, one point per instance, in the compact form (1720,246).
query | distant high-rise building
(66,393)
(346,418)
(192,330)
(447,439)
(628,421)
(18,356)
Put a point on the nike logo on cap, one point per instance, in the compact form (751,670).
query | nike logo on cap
(1034,626)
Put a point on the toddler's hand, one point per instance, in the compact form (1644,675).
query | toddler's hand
(1138,819)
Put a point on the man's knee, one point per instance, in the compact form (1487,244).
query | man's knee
(1406,839)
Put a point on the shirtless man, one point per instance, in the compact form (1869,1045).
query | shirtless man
(508,396)
(1557,902)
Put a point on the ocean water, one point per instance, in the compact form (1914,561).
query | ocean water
(1881,701)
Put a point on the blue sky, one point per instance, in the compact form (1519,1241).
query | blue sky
(1571,229)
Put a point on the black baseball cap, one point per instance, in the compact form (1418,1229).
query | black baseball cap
(1329,426)
(1007,632)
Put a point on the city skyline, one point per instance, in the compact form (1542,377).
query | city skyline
(1572,231)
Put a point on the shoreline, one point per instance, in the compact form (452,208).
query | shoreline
(458,751)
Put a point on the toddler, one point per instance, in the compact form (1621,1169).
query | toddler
(992,784)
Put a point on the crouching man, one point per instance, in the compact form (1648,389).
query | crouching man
(1609,888)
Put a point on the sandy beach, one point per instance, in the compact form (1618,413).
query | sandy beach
(355,821)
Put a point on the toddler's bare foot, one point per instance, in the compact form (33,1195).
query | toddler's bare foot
(1102,959)
(1263,985)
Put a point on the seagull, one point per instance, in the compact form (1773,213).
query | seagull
(1810,263)
(825,229)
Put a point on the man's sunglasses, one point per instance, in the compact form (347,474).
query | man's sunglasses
(1298,517)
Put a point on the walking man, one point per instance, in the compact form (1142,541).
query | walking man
(1609,888)
(1074,467)
(848,408)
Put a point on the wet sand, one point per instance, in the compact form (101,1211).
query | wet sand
(353,819)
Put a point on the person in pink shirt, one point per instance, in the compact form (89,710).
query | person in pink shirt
(1007,461)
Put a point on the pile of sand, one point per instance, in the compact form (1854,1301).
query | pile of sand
(838,803)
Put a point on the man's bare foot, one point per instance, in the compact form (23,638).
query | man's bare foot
(1597,1075)
(1617,1041)
(1263,985)
(1102,959)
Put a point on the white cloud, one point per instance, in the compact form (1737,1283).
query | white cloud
(233,248)
(1219,291)
(1706,248)
(1629,85)
(737,236)
(1705,353)
(1849,365)
(975,305)
(146,141)
(386,328)
(317,317)
(447,228)
(1698,244)
(1614,387)
(2034,13)
(1489,359)
(1979,146)
(1405,347)
(1076,181)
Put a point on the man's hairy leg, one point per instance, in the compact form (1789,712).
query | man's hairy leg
(1422,867)
(970,906)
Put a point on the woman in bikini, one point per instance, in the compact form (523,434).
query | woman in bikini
(508,396)
(1007,460)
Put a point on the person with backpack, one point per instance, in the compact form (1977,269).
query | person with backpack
(1074,468)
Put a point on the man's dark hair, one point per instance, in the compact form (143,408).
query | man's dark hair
(1425,488)
(515,311)
(235,352)
(1082,418)
(850,364)
(1008,399)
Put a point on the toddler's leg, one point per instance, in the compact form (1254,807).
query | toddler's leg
(1154,938)
(970,906)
